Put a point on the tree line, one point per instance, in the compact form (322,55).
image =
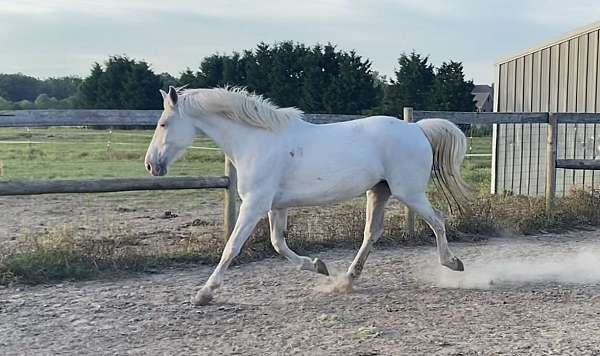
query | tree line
(316,79)
(18,91)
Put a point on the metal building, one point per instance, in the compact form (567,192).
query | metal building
(558,76)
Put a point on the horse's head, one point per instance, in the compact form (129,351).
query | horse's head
(173,134)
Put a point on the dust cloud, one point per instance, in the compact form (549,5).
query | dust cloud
(337,283)
(521,265)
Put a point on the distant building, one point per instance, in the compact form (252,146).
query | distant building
(484,98)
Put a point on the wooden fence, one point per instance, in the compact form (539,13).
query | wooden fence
(125,118)
(137,118)
(552,122)
(110,118)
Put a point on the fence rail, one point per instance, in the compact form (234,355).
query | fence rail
(106,185)
(133,119)
(109,118)
(484,117)
(593,164)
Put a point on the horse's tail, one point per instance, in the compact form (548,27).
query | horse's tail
(449,146)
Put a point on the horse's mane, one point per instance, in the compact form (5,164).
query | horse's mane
(239,105)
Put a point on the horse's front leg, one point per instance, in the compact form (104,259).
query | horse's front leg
(250,214)
(377,198)
(278,222)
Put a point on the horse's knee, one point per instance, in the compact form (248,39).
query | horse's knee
(373,234)
(231,251)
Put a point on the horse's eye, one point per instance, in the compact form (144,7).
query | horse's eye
(162,125)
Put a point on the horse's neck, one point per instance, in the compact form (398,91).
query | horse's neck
(232,137)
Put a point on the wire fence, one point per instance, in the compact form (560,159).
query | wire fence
(80,152)
(521,157)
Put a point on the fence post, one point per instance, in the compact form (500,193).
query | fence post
(230,201)
(551,163)
(407,115)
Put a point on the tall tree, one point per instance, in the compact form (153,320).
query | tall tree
(211,71)
(315,79)
(412,85)
(17,87)
(167,80)
(89,87)
(450,91)
(60,88)
(123,83)
(353,89)
(189,78)
(140,88)
(286,74)
(258,66)
(24,89)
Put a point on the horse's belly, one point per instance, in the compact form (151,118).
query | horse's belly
(319,189)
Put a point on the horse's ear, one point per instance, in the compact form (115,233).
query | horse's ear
(173,95)
(163,93)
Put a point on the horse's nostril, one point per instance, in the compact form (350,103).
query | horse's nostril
(148,166)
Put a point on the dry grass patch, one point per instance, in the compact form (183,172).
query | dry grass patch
(66,252)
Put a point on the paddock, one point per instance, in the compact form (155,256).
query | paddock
(543,299)
(536,294)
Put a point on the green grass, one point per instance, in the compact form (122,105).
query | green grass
(61,153)
(477,170)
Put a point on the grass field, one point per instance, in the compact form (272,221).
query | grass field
(55,153)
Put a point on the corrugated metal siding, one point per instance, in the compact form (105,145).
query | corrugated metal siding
(562,77)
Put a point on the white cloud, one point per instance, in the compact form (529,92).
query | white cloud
(265,10)
(564,14)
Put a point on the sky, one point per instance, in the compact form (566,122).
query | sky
(46,38)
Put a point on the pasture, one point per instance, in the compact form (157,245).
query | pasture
(59,152)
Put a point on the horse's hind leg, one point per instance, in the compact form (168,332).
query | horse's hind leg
(377,198)
(278,222)
(419,203)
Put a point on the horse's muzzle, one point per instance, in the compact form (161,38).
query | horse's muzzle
(156,170)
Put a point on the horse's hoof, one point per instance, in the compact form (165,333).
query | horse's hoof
(459,265)
(202,298)
(455,264)
(321,267)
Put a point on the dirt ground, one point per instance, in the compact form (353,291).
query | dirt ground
(146,215)
(534,295)
(151,218)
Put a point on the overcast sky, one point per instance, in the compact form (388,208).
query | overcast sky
(64,37)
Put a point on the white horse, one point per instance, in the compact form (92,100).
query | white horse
(283,161)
